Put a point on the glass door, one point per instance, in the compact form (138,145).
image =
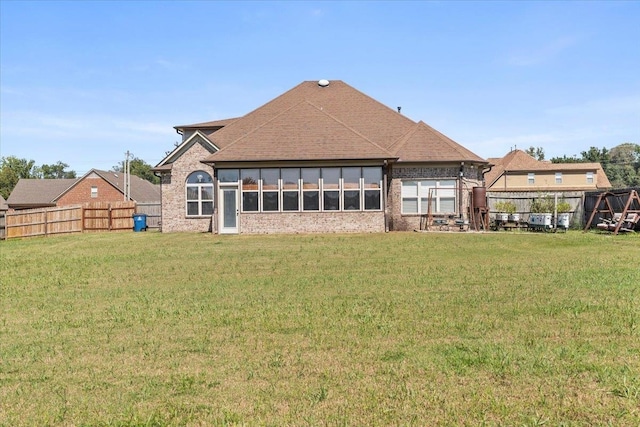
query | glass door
(229,210)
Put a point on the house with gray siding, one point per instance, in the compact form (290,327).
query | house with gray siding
(321,157)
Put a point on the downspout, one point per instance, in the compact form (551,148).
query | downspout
(214,219)
(161,176)
(460,176)
(384,196)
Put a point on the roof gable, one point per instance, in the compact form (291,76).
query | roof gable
(141,190)
(425,144)
(302,132)
(197,137)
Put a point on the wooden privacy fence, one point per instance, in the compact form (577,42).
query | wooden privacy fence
(97,216)
(153,212)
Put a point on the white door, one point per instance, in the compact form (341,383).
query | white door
(229,210)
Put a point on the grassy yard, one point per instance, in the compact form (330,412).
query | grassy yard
(151,329)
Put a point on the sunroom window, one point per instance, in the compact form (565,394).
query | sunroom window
(199,194)
(311,189)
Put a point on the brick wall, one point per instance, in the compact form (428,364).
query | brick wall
(400,222)
(174,211)
(312,222)
(81,192)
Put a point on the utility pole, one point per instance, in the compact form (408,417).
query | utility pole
(127,177)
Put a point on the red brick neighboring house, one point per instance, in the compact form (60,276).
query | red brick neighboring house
(94,186)
(322,157)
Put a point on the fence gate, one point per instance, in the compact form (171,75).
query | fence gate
(108,216)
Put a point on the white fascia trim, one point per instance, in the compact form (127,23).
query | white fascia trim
(180,149)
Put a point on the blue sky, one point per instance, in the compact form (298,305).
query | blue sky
(83,82)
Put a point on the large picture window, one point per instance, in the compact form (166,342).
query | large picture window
(417,195)
(199,194)
(311,189)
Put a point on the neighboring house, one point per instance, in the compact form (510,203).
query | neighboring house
(520,178)
(94,186)
(3,205)
(322,157)
(518,171)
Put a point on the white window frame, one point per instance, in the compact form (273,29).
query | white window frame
(558,177)
(590,178)
(363,188)
(94,192)
(206,182)
(417,190)
(531,178)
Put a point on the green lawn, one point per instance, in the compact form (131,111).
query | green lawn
(151,329)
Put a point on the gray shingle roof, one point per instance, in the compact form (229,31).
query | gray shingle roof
(39,192)
(142,191)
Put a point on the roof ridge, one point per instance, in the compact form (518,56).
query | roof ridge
(402,140)
(347,127)
(319,109)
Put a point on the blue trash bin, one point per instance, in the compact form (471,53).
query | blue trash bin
(140,222)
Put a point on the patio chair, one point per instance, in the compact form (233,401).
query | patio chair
(609,224)
(630,221)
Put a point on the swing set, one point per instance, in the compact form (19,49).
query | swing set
(609,219)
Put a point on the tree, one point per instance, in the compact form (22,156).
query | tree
(139,168)
(596,155)
(535,152)
(624,169)
(11,170)
(56,171)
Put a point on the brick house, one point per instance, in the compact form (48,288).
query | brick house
(322,157)
(94,186)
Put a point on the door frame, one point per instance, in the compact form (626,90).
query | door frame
(221,209)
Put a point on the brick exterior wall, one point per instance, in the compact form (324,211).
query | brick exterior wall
(174,217)
(174,210)
(312,222)
(81,192)
(400,222)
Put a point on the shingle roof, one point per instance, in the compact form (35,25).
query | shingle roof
(208,125)
(39,192)
(520,162)
(142,191)
(3,204)
(425,144)
(302,132)
(301,123)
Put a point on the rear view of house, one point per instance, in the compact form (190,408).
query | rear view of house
(322,157)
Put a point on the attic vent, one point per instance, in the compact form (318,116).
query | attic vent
(323,83)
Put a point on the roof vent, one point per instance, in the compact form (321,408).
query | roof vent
(323,83)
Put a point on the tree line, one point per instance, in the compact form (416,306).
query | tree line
(12,169)
(621,164)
